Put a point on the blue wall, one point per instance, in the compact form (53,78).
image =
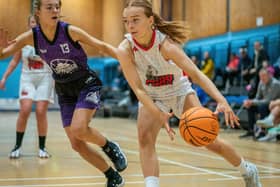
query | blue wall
(221,46)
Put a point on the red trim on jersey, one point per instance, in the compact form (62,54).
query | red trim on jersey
(151,44)
(135,49)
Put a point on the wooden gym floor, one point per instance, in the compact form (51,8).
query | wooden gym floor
(181,165)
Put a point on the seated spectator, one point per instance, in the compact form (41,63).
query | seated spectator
(207,65)
(272,121)
(268,90)
(244,65)
(195,61)
(231,70)
(274,116)
(276,67)
(260,58)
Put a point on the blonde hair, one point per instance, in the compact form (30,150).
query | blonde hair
(36,6)
(177,31)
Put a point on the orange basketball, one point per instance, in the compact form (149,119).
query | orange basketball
(199,126)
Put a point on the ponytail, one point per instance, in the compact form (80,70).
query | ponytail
(177,31)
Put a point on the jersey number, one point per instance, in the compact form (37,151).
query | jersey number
(65,48)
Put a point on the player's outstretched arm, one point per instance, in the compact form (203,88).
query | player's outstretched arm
(80,35)
(172,51)
(8,48)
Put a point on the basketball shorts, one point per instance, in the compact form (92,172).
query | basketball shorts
(176,103)
(82,93)
(36,86)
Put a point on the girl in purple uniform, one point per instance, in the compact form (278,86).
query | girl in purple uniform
(78,88)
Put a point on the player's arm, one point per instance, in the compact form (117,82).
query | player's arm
(9,48)
(125,57)
(12,65)
(171,51)
(80,35)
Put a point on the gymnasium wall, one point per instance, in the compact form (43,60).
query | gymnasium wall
(103,18)
(208,18)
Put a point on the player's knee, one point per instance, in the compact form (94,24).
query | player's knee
(25,112)
(145,138)
(77,146)
(78,131)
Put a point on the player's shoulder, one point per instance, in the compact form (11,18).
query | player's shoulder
(169,46)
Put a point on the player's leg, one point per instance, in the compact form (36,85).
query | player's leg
(79,136)
(248,170)
(43,95)
(226,150)
(24,113)
(42,126)
(26,96)
(148,129)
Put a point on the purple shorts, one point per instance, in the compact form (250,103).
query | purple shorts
(88,98)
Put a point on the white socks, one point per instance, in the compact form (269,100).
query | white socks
(152,181)
(243,167)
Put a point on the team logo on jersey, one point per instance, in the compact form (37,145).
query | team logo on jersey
(63,66)
(65,48)
(43,51)
(92,97)
(152,79)
(35,62)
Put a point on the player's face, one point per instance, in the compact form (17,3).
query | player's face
(49,11)
(137,23)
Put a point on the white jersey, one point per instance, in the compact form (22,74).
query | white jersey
(162,79)
(32,63)
(36,80)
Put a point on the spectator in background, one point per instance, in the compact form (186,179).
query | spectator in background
(231,70)
(245,64)
(207,66)
(271,122)
(268,90)
(276,67)
(195,61)
(260,55)
(260,60)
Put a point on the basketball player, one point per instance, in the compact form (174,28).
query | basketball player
(78,88)
(152,61)
(36,84)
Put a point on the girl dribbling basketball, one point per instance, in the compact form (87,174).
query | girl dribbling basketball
(152,62)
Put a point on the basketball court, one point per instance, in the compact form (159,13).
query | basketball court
(181,165)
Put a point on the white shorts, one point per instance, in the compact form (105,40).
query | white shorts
(176,103)
(36,86)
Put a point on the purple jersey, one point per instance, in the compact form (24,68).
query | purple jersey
(66,57)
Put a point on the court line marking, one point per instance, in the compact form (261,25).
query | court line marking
(194,153)
(127,175)
(186,165)
(226,179)
(77,184)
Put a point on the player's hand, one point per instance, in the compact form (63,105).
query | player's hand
(3,38)
(2,84)
(165,118)
(230,118)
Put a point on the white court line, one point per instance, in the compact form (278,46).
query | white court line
(101,176)
(196,153)
(127,175)
(77,184)
(262,177)
(187,166)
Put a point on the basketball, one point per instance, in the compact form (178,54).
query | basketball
(199,126)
